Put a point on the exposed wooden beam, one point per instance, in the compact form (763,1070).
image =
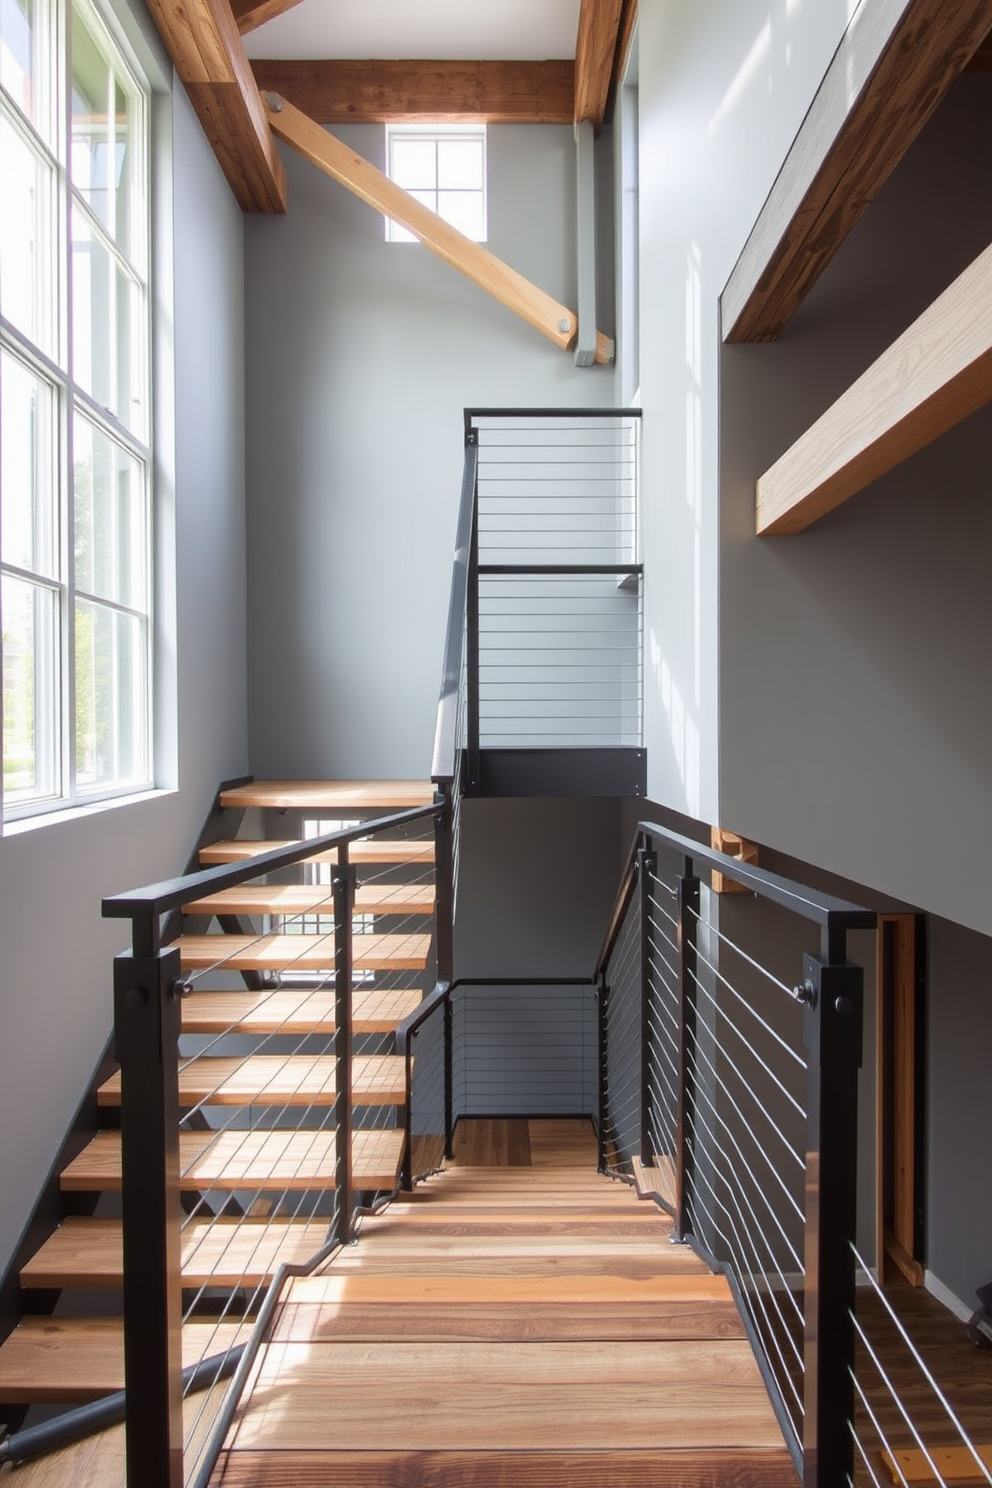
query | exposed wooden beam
(203,42)
(252,13)
(553,320)
(628,21)
(595,50)
(938,372)
(373,92)
(895,63)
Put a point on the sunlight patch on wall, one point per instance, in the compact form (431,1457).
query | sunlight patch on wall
(757,53)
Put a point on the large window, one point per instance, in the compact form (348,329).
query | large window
(445,168)
(75,409)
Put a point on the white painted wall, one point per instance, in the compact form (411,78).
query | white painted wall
(724,87)
(362,355)
(55,951)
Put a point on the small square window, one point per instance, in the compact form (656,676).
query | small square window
(445,169)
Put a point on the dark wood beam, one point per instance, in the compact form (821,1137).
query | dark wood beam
(252,13)
(595,50)
(982,59)
(202,39)
(902,56)
(336,92)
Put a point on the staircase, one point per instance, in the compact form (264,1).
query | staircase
(257,1150)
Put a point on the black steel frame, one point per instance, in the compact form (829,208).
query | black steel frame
(831,991)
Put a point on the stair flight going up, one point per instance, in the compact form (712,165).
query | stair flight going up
(257,1084)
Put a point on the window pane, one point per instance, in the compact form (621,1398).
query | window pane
(30,683)
(464,210)
(413,163)
(28,505)
(459,164)
(110,526)
(23,52)
(107,328)
(111,695)
(104,160)
(27,248)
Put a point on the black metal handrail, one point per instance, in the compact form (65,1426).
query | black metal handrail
(651,952)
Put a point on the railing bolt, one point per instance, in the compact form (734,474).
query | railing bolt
(843,1005)
(806,994)
(180,987)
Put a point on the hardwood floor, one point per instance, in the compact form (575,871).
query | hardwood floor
(520,1321)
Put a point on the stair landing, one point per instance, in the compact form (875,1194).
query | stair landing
(516,1325)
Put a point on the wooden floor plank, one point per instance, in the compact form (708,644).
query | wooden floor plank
(501,1396)
(504,1142)
(615,1468)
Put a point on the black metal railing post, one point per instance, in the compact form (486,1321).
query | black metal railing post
(147,990)
(603,1025)
(646,865)
(449,1097)
(343,884)
(688,892)
(444,883)
(472,643)
(833,995)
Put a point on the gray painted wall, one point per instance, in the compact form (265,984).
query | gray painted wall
(856,679)
(361,357)
(55,962)
(723,89)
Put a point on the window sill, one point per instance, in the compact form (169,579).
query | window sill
(48,817)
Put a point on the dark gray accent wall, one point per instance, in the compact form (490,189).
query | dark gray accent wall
(362,355)
(537,881)
(856,674)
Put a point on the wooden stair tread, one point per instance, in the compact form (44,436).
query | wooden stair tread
(85,1252)
(300,899)
(301,952)
(372,850)
(957,1466)
(331,795)
(656,1178)
(277,1080)
(508,1395)
(231,1160)
(51,1359)
(295,1011)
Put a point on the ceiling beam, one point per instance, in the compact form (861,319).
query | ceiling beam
(511,289)
(895,63)
(250,14)
(336,92)
(937,373)
(625,37)
(595,50)
(203,42)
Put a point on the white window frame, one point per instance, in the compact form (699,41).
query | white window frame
(432,133)
(126,435)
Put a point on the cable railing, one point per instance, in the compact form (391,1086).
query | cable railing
(729,1087)
(258,1122)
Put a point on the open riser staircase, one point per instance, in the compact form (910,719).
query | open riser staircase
(258,1146)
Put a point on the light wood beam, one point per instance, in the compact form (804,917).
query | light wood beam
(595,50)
(933,376)
(249,14)
(553,320)
(895,63)
(336,92)
(202,39)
